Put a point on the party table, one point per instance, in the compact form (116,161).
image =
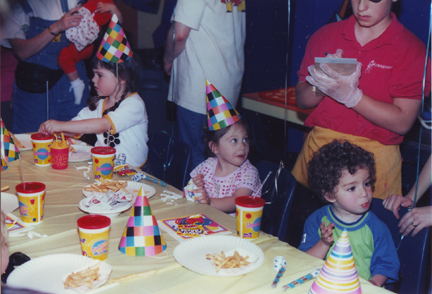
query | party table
(263,102)
(63,193)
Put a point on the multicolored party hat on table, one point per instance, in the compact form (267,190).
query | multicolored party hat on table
(339,273)
(114,47)
(3,163)
(142,236)
(9,150)
(220,113)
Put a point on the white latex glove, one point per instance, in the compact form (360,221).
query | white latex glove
(343,89)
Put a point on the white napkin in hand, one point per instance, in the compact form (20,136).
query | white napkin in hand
(189,193)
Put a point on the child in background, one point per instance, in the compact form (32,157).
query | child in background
(117,115)
(344,175)
(228,173)
(81,38)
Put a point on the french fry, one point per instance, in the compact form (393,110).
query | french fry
(105,185)
(16,141)
(83,278)
(222,261)
(5,188)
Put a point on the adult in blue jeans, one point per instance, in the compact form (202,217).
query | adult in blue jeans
(34,29)
(205,41)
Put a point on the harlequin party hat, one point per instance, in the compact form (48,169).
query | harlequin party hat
(142,236)
(114,47)
(220,113)
(339,273)
(9,150)
(3,163)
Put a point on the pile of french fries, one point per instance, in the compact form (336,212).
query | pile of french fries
(106,185)
(85,277)
(222,261)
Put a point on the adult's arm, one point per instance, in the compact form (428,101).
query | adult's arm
(172,50)
(397,117)
(306,97)
(27,48)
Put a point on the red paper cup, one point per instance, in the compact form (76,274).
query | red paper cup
(42,149)
(31,197)
(103,162)
(94,236)
(59,158)
(248,215)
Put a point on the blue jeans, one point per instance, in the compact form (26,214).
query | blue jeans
(189,126)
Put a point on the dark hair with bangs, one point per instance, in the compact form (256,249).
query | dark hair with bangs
(125,71)
(326,166)
(215,136)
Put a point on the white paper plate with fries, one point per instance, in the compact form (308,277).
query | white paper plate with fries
(25,142)
(82,153)
(47,273)
(131,187)
(9,202)
(204,256)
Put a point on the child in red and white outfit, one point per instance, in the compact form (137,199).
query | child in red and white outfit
(227,174)
(96,13)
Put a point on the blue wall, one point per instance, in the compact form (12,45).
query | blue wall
(267,36)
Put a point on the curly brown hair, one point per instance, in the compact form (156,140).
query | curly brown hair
(326,167)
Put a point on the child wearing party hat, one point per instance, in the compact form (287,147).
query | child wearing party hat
(343,175)
(227,173)
(117,115)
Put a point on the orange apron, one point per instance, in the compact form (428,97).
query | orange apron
(388,160)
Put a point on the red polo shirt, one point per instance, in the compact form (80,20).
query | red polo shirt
(392,67)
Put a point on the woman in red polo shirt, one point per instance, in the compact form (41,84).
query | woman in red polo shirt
(377,104)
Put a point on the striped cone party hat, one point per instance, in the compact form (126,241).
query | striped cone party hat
(339,273)
(220,113)
(142,236)
(9,150)
(114,47)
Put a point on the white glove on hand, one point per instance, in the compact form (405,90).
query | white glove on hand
(343,89)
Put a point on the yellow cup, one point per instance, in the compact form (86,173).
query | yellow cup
(248,216)
(94,236)
(42,149)
(31,197)
(103,162)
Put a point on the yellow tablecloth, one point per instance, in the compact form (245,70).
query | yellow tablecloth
(63,193)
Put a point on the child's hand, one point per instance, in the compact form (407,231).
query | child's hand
(327,233)
(104,7)
(50,127)
(198,181)
(203,198)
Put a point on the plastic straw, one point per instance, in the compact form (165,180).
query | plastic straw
(21,171)
(262,185)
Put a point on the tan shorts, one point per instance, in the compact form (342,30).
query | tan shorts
(388,160)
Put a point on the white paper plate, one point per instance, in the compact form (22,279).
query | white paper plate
(45,273)
(113,213)
(25,140)
(83,153)
(133,188)
(192,254)
(9,202)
